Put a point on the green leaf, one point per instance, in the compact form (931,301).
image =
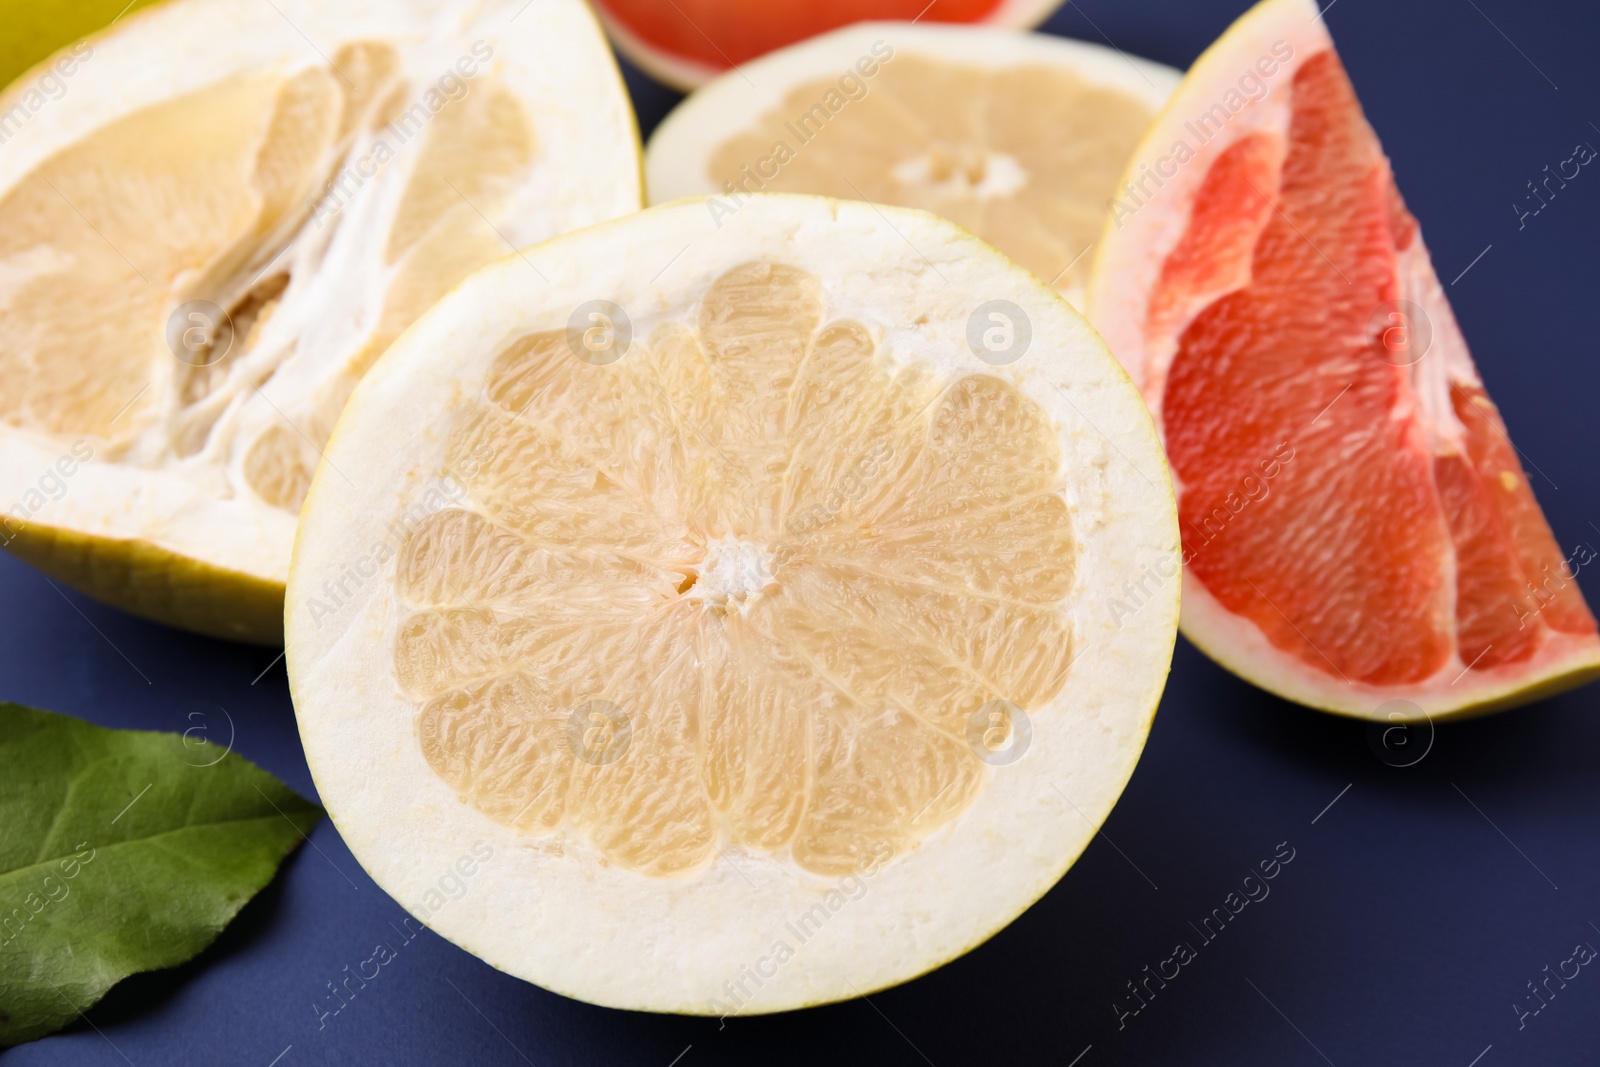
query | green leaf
(121,851)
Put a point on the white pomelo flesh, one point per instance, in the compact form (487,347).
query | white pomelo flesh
(320,173)
(535,540)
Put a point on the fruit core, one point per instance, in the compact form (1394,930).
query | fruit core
(963,170)
(733,571)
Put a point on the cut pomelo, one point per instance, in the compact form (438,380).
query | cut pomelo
(221,219)
(709,579)
(1019,137)
(689,42)
(1359,534)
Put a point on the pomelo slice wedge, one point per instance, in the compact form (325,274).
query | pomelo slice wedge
(687,43)
(1019,137)
(214,216)
(1359,534)
(707,579)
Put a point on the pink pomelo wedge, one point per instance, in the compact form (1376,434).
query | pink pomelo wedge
(1359,534)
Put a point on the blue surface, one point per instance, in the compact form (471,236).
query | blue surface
(1415,908)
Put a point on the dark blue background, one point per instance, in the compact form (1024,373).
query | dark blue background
(1404,929)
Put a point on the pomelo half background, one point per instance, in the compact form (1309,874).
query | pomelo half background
(741,596)
(687,43)
(305,179)
(1359,533)
(1019,137)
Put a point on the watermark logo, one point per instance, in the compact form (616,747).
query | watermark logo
(1551,982)
(1254,486)
(454,881)
(452,885)
(1541,191)
(354,982)
(1402,331)
(47,88)
(1401,734)
(199,332)
(1200,128)
(1138,594)
(999,332)
(741,989)
(847,491)
(348,580)
(805,127)
(599,733)
(999,733)
(51,888)
(1552,586)
(202,748)
(599,332)
(451,87)
(51,485)
(1253,888)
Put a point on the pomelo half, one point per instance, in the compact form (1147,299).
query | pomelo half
(712,582)
(1019,137)
(214,216)
(1359,534)
(689,42)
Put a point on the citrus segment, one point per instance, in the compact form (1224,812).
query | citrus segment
(704,594)
(1018,138)
(1394,548)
